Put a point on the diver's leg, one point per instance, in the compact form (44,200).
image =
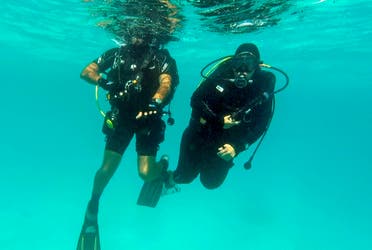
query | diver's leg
(148,168)
(111,161)
(152,172)
(89,236)
(116,144)
(190,154)
(148,140)
(214,172)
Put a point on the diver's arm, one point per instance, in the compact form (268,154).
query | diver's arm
(91,73)
(203,103)
(157,103)
(207,88)
(165,85)
(199,94)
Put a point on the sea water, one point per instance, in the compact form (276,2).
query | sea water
(310,184)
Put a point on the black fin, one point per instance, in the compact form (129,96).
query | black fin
(150,193)
(89,236)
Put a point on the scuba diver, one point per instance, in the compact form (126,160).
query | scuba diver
(231,109)
(140,79)
(219,127)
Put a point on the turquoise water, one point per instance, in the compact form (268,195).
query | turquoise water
(310,186)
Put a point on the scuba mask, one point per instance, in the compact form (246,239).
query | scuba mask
(245,62)
(242,64)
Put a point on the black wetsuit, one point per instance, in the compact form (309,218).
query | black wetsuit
(215,98)
(145,65)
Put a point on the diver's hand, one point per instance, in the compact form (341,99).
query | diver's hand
(229,122)
(152,110)
(105,84)
(226,152)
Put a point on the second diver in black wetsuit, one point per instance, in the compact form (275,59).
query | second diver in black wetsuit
(231,109)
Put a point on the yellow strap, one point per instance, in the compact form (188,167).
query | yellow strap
(214,68)
(265,65)
(97,103)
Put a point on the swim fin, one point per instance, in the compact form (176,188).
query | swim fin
(150,193)
(152,190)
(89,236)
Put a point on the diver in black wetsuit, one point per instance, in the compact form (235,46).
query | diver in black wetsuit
(231,109)
(140,78)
